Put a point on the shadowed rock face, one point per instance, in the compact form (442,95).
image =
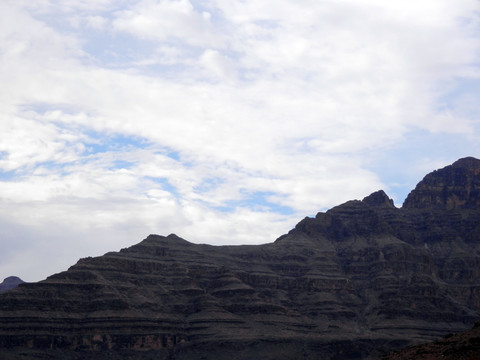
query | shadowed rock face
(461,346)
(354,282)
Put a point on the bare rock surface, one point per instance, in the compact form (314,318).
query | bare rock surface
(354,282)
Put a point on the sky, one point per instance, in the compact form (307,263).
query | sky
(224,122)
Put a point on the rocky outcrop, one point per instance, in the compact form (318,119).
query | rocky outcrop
(354,282)
(10,283)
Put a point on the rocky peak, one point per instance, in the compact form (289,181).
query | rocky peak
(379,198)
(456,186)
(468,163)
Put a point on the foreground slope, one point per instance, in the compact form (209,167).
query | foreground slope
(461,346)
(354,282)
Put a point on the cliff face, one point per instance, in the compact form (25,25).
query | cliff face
(353,282)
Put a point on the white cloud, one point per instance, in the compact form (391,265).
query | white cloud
(218,66)
(64,6)
(30,142)
(168,19)
(205,106)
(96,22)
(446,120)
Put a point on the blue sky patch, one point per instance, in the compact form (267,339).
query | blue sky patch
(101,142)
(8,175)
(165,185)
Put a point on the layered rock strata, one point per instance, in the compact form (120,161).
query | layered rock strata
(354,282)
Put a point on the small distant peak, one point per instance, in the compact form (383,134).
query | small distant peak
(160,237)
(177,240)
(12,279)
(378,198)
(155,239)
(10,283)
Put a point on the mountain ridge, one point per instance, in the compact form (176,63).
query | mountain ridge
(353,282)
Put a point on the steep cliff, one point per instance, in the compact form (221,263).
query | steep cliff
(354,282)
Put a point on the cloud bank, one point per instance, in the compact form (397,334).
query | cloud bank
(224,122)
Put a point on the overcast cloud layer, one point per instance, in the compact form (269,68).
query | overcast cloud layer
(225,122)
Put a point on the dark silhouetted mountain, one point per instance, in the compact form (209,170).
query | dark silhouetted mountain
(353,282)
(10,283)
